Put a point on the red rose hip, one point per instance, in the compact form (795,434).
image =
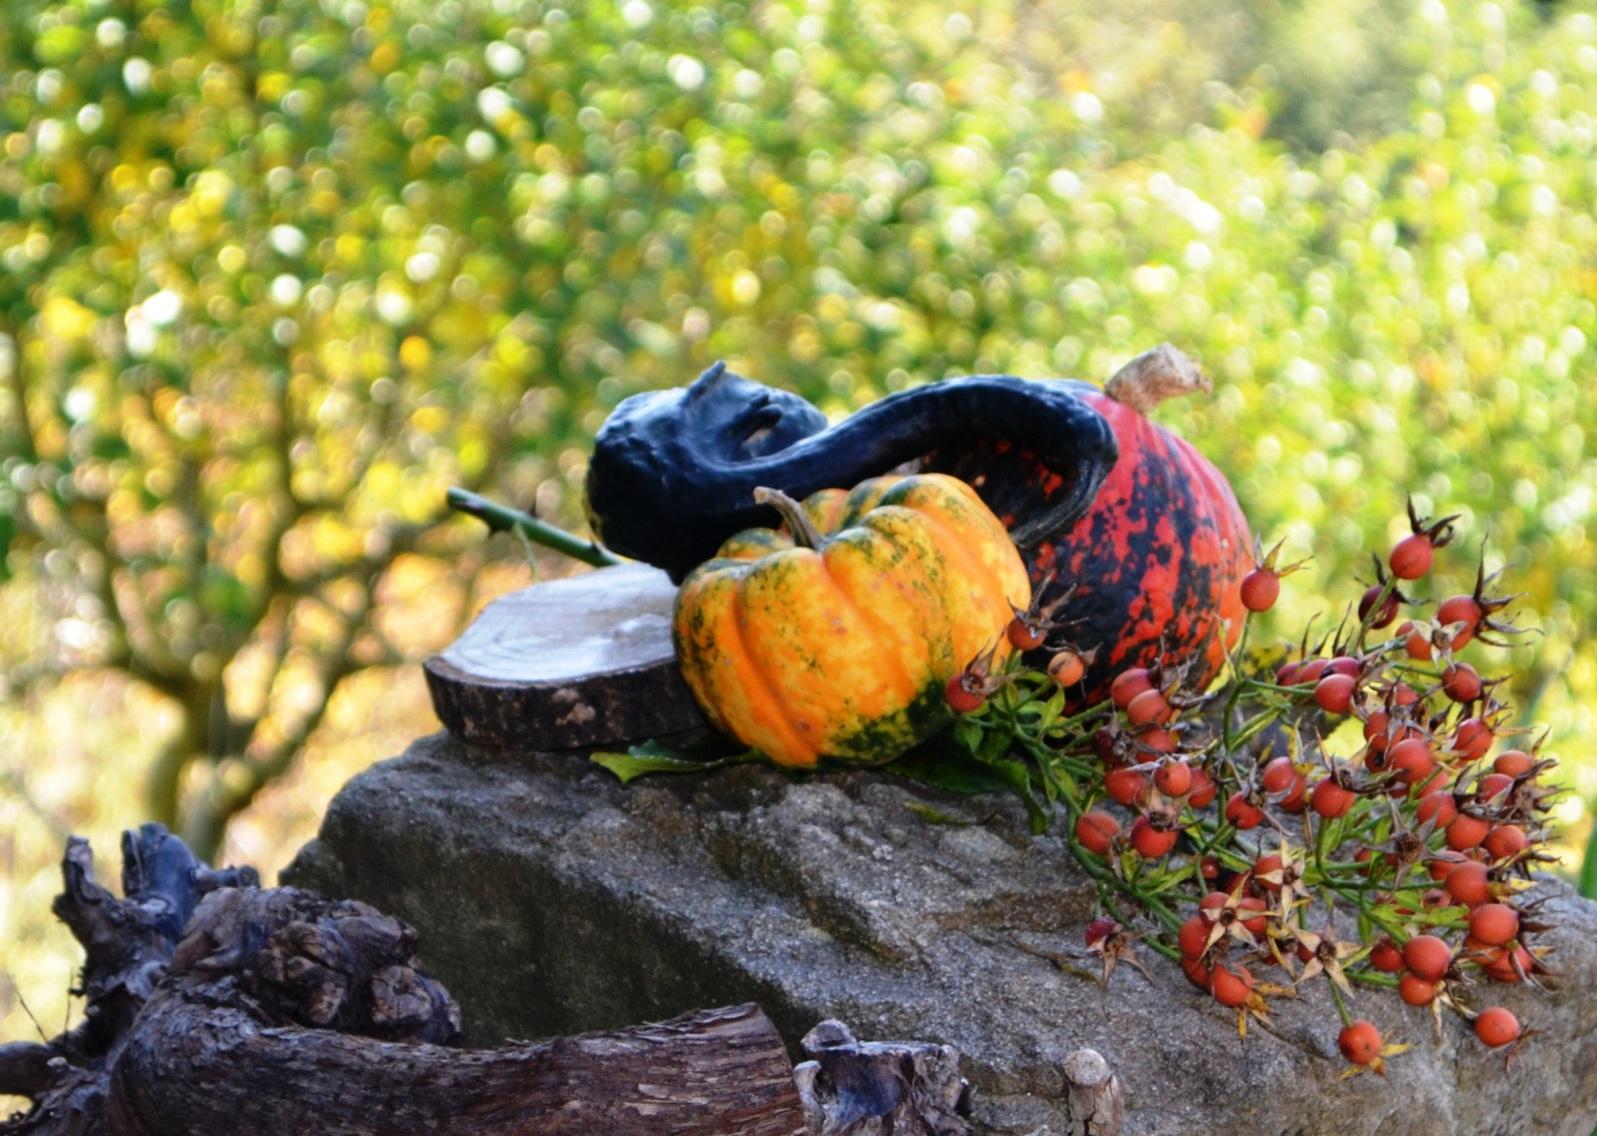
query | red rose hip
(1428,957)
(1096,831)
(1260,589)
(1360,1042)
(1496,1027)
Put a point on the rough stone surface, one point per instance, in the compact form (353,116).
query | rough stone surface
(551,899)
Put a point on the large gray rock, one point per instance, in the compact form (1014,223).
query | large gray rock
(551,899)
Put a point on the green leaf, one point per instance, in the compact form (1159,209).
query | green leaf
(994,746)
(1051,711)
(110,447)
(652,757)
(968,733)
(224,595)
(61,44)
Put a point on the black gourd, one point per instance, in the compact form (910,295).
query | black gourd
(673,472)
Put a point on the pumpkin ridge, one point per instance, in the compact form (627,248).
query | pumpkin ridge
(907,687)
(901,532)
(866,496)
(948,538)
(703,617)
(767,687)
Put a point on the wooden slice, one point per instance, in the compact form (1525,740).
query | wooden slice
(568,664)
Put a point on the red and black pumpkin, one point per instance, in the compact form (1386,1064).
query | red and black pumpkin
(1154,566)
(1094,494)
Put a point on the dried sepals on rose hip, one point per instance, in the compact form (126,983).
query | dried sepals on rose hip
(1112,943)
(1034,623)
(1262,586)
(1362,1047)
(1381,601)
(1235,914)
(1411,557)
(1069,664)
(1283,876)
(1152,696)
(1154,834)
(1333,796)
(1233,984)
(968,691)
(1244,810)
(1322,952)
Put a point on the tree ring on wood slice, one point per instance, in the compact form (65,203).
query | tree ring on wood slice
(569,664)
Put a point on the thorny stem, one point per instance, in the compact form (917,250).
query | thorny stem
(1157,944)
(1341,1006)
(1093,866)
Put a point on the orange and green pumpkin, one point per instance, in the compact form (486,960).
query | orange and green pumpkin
(837,646)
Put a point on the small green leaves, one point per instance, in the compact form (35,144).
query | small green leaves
(932,815)
(652,757)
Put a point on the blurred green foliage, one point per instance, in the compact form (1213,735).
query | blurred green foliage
(275,272)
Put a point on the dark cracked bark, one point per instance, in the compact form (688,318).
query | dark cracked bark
(216,1006)
(196,1070)
(127,943)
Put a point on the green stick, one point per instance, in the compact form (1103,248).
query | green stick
(502,518)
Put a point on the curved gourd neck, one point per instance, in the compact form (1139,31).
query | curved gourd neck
(665,493)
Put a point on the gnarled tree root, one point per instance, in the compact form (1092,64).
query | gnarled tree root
(217,1006)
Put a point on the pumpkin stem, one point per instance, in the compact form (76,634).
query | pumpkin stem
(1154,376)
(805,534)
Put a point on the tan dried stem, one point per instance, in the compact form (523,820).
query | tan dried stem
(1155,375)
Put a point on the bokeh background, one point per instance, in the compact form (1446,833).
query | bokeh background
(275,273)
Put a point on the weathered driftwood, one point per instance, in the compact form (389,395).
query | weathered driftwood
(583,661)
(880,1088)
(198,1071)
(216,1006)
(1094,1097)
(127,943)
